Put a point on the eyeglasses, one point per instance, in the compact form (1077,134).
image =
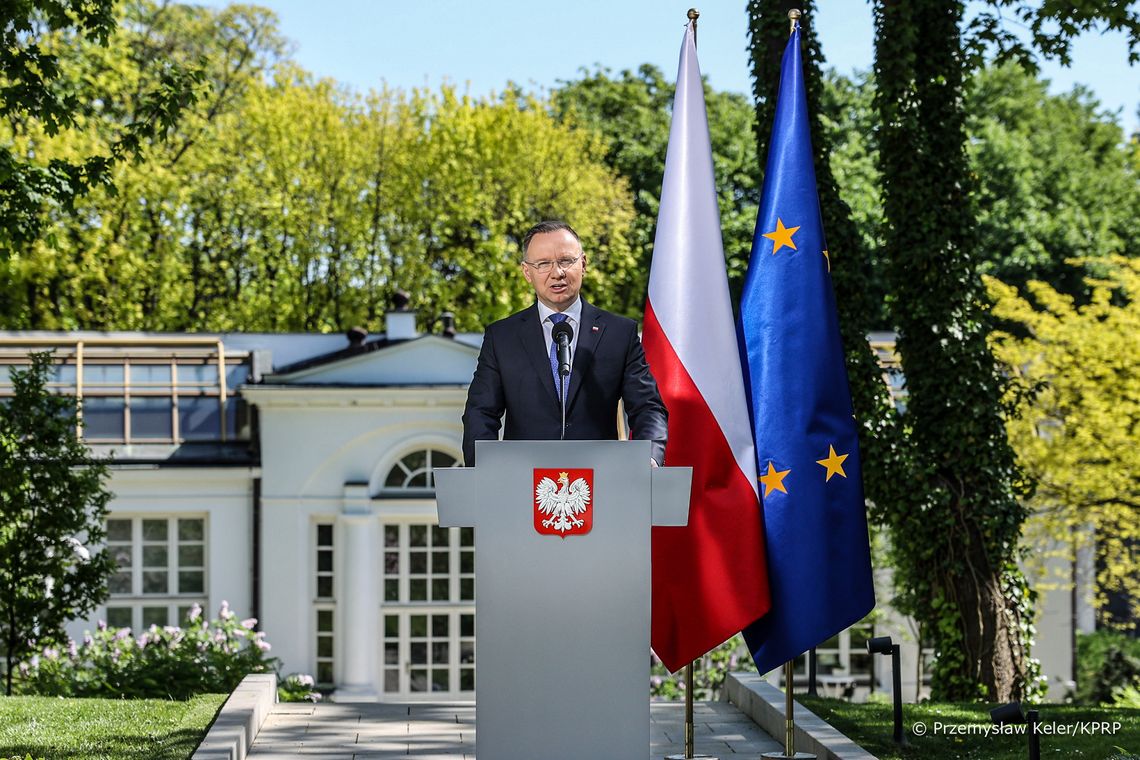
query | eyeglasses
(542,267)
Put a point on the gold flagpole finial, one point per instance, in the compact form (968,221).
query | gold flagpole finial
(793,16)
(693,15)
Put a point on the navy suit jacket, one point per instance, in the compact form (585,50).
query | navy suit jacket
(513,376)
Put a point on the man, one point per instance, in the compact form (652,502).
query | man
(515,373)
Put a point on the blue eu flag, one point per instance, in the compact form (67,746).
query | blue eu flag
(819,560)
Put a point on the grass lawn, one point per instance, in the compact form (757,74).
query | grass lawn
(870,726)
(104,729)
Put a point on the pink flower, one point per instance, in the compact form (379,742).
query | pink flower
(249,623)
(87,640)
(195,611)
(144,640)
(305,680)
(122,633)
(262,645)
(102,625)
(224,611)
(72,651)
(51,654)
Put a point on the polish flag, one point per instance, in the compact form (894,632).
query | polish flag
(710,578)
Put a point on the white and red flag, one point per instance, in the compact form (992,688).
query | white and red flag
(710,578)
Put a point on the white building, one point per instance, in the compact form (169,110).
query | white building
(290,475)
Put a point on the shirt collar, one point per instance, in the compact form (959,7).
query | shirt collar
(574,313)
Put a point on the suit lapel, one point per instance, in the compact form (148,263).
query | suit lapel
(534,346)
(590,334)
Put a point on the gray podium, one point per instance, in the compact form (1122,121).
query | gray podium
(562,592)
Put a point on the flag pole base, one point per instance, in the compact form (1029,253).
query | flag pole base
(779,755)
(683,756)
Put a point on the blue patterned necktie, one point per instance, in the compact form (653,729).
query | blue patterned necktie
(555,319)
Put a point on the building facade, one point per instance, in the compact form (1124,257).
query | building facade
(290,476)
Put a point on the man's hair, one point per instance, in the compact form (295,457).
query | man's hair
(544,227)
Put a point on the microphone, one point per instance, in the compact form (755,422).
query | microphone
(563,333)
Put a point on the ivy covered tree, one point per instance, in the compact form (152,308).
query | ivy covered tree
(955,551)
(53,506)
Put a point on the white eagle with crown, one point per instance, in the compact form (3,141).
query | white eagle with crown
(562,504)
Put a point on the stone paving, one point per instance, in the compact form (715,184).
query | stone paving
(447,731)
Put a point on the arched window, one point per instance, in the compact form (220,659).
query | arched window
(413,472)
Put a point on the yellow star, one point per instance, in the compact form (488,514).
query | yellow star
(833,463)
(773,480)
(781,236)
(827,256)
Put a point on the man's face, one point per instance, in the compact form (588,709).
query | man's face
(558,287)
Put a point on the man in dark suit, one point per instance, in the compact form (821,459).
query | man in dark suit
(516,372)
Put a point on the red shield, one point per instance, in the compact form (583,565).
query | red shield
(563,501)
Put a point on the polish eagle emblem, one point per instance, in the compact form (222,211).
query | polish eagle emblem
(563,505)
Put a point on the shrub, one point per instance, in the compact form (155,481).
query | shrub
(298,687)
(204,656)
(1106,661)
(708,672)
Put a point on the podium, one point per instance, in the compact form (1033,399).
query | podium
(562,588)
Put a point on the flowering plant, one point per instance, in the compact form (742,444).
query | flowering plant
(204,656)
(298,687)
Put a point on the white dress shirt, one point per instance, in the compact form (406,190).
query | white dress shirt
(573,317)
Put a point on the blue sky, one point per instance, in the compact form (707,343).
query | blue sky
(483,45)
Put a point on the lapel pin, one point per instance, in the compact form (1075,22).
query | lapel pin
(594,328)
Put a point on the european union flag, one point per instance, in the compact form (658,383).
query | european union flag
(819,559)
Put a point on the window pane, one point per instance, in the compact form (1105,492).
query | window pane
(324,672)
(417,460)
(417,590)
(419,653)
(324,535)
(417,535)
(391,626)
(439,459)
(154,556)
(439,652)
(199,418)
(154,616)
(63,374)
(103,417)
(467,562)
(191,530)
(236,374)
(119,617)
(120,583)
(191,582)
(418,481)
(151,418)
(232,405)
(122,556)
(154,530)
(440,536)
(324,562)
(466,625)
(118,530)
(439,625)
(466,536)
(150,374)
(417,562)
(439,562)
(467,651)
(391,680)
(395,477)
(191,555)
(391,535)
(324,646)
(103,374)
(417,680)
(467,679)
(439,590)
(156,582)
(467,589)
(391,653)
(199,374)
(439,679)
(418,625)
(325,587)
(324,620)
(391,590)
(391,563)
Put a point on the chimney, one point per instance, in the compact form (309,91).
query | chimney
(356,337)
(447,324)
(401,321)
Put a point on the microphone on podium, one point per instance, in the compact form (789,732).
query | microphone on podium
(563,333)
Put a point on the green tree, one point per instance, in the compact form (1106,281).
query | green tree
(632,113)
(955,551)
(37,94)
(53,505)
(1077,383)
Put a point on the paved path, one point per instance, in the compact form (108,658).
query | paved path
(447,731)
